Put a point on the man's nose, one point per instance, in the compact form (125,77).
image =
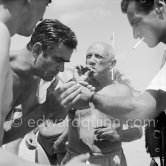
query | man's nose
(92,60)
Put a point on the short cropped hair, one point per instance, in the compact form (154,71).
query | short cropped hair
(143,5)
(50,33)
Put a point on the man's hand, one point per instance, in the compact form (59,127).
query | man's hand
(80,100)
(81,73)
(59,99)
(80,160)
(107,133)
(31,141)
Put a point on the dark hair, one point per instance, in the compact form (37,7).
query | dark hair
(50,33)
(143,5)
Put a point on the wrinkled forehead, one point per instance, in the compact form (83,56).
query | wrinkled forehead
(101,49)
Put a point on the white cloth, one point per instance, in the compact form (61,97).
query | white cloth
(42,92)
(159,81)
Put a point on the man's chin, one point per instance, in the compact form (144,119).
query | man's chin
(152,45)
(26,34)
(50,78)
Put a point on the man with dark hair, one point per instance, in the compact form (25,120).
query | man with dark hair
(51,45)
(42,58)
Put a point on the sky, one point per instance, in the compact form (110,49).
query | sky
(95,21)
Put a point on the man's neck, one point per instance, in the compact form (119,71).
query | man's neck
(21,62)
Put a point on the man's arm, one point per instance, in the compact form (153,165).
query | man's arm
(28,122)
(130,134)
(4,67)
(124,107)
(133,107)
(39,113)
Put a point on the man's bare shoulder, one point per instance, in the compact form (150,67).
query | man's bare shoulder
(117,89)
(4,30)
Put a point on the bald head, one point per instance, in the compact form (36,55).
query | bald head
(101,58)
(102,48)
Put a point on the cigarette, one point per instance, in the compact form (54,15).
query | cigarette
(138,43)
(67,143)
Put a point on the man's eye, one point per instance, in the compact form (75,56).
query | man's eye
(136,21)
(98,56)
(88,56)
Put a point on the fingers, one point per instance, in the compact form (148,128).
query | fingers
(103,130)
(83,83)
(86,84)
(72,91)
(91,88)
(75,99)
(67,85)
(162,2)
(72,98)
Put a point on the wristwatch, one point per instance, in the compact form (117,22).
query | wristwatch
(91,105)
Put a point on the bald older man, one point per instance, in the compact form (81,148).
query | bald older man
(90,130)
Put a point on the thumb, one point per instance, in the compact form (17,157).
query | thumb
(83,157)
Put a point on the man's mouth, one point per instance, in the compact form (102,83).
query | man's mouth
(51,75)
(92,69)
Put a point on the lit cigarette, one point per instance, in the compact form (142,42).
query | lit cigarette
(138,43)
(67,143)
(87,162)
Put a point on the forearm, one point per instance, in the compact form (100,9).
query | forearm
(130,134)
(27,123)
(125,108)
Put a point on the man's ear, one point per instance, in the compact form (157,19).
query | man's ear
(37,49)
(113,62)
(160,8)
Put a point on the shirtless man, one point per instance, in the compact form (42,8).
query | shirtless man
(18,16)
(89,129)
(44,57)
